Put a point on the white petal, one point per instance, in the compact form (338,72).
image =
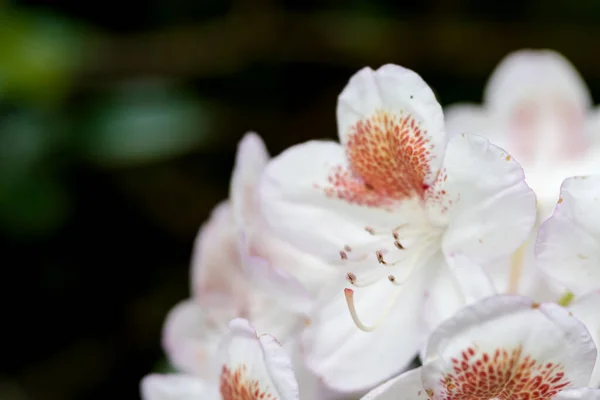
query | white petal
(308,383)
(216,264)
(272,264)
(177,387)
(469,118)
(333,343)
(473,281)
(593,125)
(546,181)
(518,274)
(191,337)
(485,185)
(251,159)
(404,387)
(278,283)
(444,299)
(271,315)
(540,73)
(567,244)
(256,364)
(298,209)
(539,101)
(282,270)
(504,335)
(396,92)
(585,308)
(584,393)
(460,283)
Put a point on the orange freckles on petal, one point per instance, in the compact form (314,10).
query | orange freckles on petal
(389,157)
(502,374)
(234,385)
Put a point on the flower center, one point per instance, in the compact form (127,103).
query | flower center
(502,374)
(396,262)
(389,160)
(234,385)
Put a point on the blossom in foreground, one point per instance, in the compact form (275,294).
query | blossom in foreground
(250,367)
(239,270)
(389,205)
(477,285)
(568,249)
(568,244)
(505,348)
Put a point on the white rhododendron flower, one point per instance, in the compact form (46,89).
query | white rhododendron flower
(238,270)
(476,286)
(537,107)
(568,244)
(568,250)
(249,367)
(505,348)
(389,205)
(275,264)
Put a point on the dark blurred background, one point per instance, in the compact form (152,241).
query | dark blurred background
(118,128)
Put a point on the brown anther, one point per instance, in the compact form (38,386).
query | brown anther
(351,277)
(379,255)
(370,230)
(398,245)
(392,278)
(347,248)
(343,255)
(396,236)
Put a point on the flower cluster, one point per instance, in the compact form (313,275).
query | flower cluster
(426,255)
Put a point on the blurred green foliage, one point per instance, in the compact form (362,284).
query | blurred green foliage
(38,54)
(128,124)
(143,122)
(31,198)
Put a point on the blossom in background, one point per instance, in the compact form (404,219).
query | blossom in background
(240,270)
(389,205)
(537,107)
(568,250)
(502,347)
(250,367)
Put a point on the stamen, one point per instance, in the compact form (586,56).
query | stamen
(349,294)
(351,277)
(396,282)
(414,253)
(363,280)
(360,253)
(516,269)
(381,260)
(410,259)
(386,232)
